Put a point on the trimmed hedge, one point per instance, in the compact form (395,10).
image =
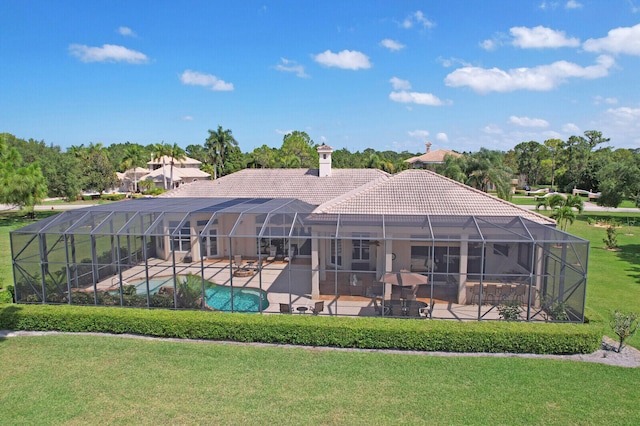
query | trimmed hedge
(369,333)
(113,197)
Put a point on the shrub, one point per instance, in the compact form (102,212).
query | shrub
(509,311)
(611,241)
(370,333)
(5,297)
(624,325)
(113,197)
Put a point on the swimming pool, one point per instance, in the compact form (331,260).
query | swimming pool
(218,296)
(244,299)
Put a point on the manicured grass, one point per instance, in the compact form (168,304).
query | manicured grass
(614,276)
(524,201)
(103,380)
(8,222)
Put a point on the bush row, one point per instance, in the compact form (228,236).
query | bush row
(369,333)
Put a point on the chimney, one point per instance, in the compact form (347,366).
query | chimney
(324,151)
(428,144)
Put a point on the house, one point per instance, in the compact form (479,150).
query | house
(431,158)
(417,242)
(186,170)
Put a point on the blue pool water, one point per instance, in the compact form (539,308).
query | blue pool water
(244,299)
(218,297)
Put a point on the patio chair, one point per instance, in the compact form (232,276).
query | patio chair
(237,260)
(379,309)
(427,311)
(285,308)
(318,307)
(490,295)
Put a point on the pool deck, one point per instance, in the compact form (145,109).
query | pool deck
(284,283)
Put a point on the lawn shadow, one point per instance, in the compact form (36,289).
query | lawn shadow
(630,253)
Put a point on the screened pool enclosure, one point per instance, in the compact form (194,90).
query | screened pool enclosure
(276,255)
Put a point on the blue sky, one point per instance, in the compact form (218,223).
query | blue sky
(356,74)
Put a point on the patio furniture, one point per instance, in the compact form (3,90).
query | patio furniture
(285,308)
(237,260)
(490,294)
(302,309)
(380,309)
(475,294)
(375,289)
(426,311)
(318,307)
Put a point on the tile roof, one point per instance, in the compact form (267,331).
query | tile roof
(420,192)
(436,156)
(303,184)
(178,174)
(186,161)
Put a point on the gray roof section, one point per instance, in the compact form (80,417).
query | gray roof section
(303,184)
(422,192)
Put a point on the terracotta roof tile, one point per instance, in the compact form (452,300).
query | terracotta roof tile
(420,192)
(303,184)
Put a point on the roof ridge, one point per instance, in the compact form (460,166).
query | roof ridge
(509,203)
(353,193)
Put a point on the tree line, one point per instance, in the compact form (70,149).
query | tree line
(32,170)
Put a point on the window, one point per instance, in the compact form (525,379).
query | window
(524,255)
(182,240)
(336,251)
(361,250)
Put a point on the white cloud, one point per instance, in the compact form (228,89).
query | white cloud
(489,44)
(548,5)
(442,137)
(541,37)
(347,59)
(449,62)
(541,78)
(492,129)
(126,31)
(619,40)
(573,4)
(399,84)
(416,98)
(597,100)
(195,78)
(571,128)
(392,44)
(284,132)
(287,65)
(418,134)
(187,118)
(622,125)
(417,18)
(528,122)
(107,53)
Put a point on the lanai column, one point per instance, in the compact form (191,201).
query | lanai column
(388,266)
(464,260)
(315,267)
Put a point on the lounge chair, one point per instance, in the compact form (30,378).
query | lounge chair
(318,307)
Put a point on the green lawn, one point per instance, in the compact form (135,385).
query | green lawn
(614,276)
(105,380)
(97,379)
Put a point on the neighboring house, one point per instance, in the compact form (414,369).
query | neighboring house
(344,236)
(184,171)
(431,158)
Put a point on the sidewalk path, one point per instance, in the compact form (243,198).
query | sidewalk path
(590,207)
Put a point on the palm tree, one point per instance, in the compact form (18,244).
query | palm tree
(564,208)
(218,145)
(160,152)
(133,157)
(563,215)
(176,154)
